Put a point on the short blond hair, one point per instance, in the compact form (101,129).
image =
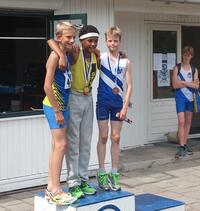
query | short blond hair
(114,31)
(64,25)
(188,49)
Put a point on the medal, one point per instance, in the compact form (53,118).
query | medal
(115,90)
(86,91)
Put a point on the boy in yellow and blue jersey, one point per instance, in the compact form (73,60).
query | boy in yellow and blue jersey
(57,86)
(80,123)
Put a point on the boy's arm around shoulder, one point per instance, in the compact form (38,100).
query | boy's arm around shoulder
(74,51)
(55,47)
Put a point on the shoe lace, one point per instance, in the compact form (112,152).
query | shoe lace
(188,148)
(61,197)
(85,185)
(103,179)
(76,189)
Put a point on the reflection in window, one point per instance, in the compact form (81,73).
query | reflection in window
(22,62)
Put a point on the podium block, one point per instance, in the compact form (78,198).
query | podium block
(102,201)
(151,202)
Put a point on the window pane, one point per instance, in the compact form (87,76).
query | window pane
(22,65)
(164,50)
(23,56)
(12,26)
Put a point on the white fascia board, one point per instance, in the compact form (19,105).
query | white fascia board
(30,4)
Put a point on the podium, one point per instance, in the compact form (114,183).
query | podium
(151,202)
(113,201)
(101,201)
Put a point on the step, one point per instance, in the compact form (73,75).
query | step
(102,201)
(151,202)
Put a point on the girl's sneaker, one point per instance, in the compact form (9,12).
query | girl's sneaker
(188,149)
(102,179)
(87,189)
(113,179)
(47,194)
(60,198)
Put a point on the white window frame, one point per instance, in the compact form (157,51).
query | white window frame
(161,27)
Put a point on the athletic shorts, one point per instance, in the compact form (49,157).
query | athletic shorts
(50,115)
(104,110)
(182,106)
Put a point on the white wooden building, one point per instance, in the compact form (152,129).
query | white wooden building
(147,28)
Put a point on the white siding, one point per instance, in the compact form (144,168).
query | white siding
(29,4)
(134,42)
(25,145)
(152,119)
(25,141)
(156,7)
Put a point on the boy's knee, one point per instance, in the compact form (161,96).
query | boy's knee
(61,146)
(181,123)
(115,138)
(104,139)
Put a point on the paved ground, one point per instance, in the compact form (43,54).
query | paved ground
(149,169)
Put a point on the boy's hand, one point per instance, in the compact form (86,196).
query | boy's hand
(59,117)
(97,52)
(122,114)
(75,48)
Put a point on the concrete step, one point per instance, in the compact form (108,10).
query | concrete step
(154,155)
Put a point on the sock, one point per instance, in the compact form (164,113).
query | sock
(114,170)
(101,170)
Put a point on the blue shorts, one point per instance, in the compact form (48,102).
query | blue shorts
(50,115)
(182,106)
(106,109)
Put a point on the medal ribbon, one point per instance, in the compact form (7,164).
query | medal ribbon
(116,69)
(86,71)
(67,75)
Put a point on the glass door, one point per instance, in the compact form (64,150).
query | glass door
(164,53)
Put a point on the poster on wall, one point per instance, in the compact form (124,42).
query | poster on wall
(157,61)
(163,76)
(171,60)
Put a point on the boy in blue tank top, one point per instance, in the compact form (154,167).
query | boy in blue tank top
(184,83)
(111,105)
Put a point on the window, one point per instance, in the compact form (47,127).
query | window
(164,59)
(23,54)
